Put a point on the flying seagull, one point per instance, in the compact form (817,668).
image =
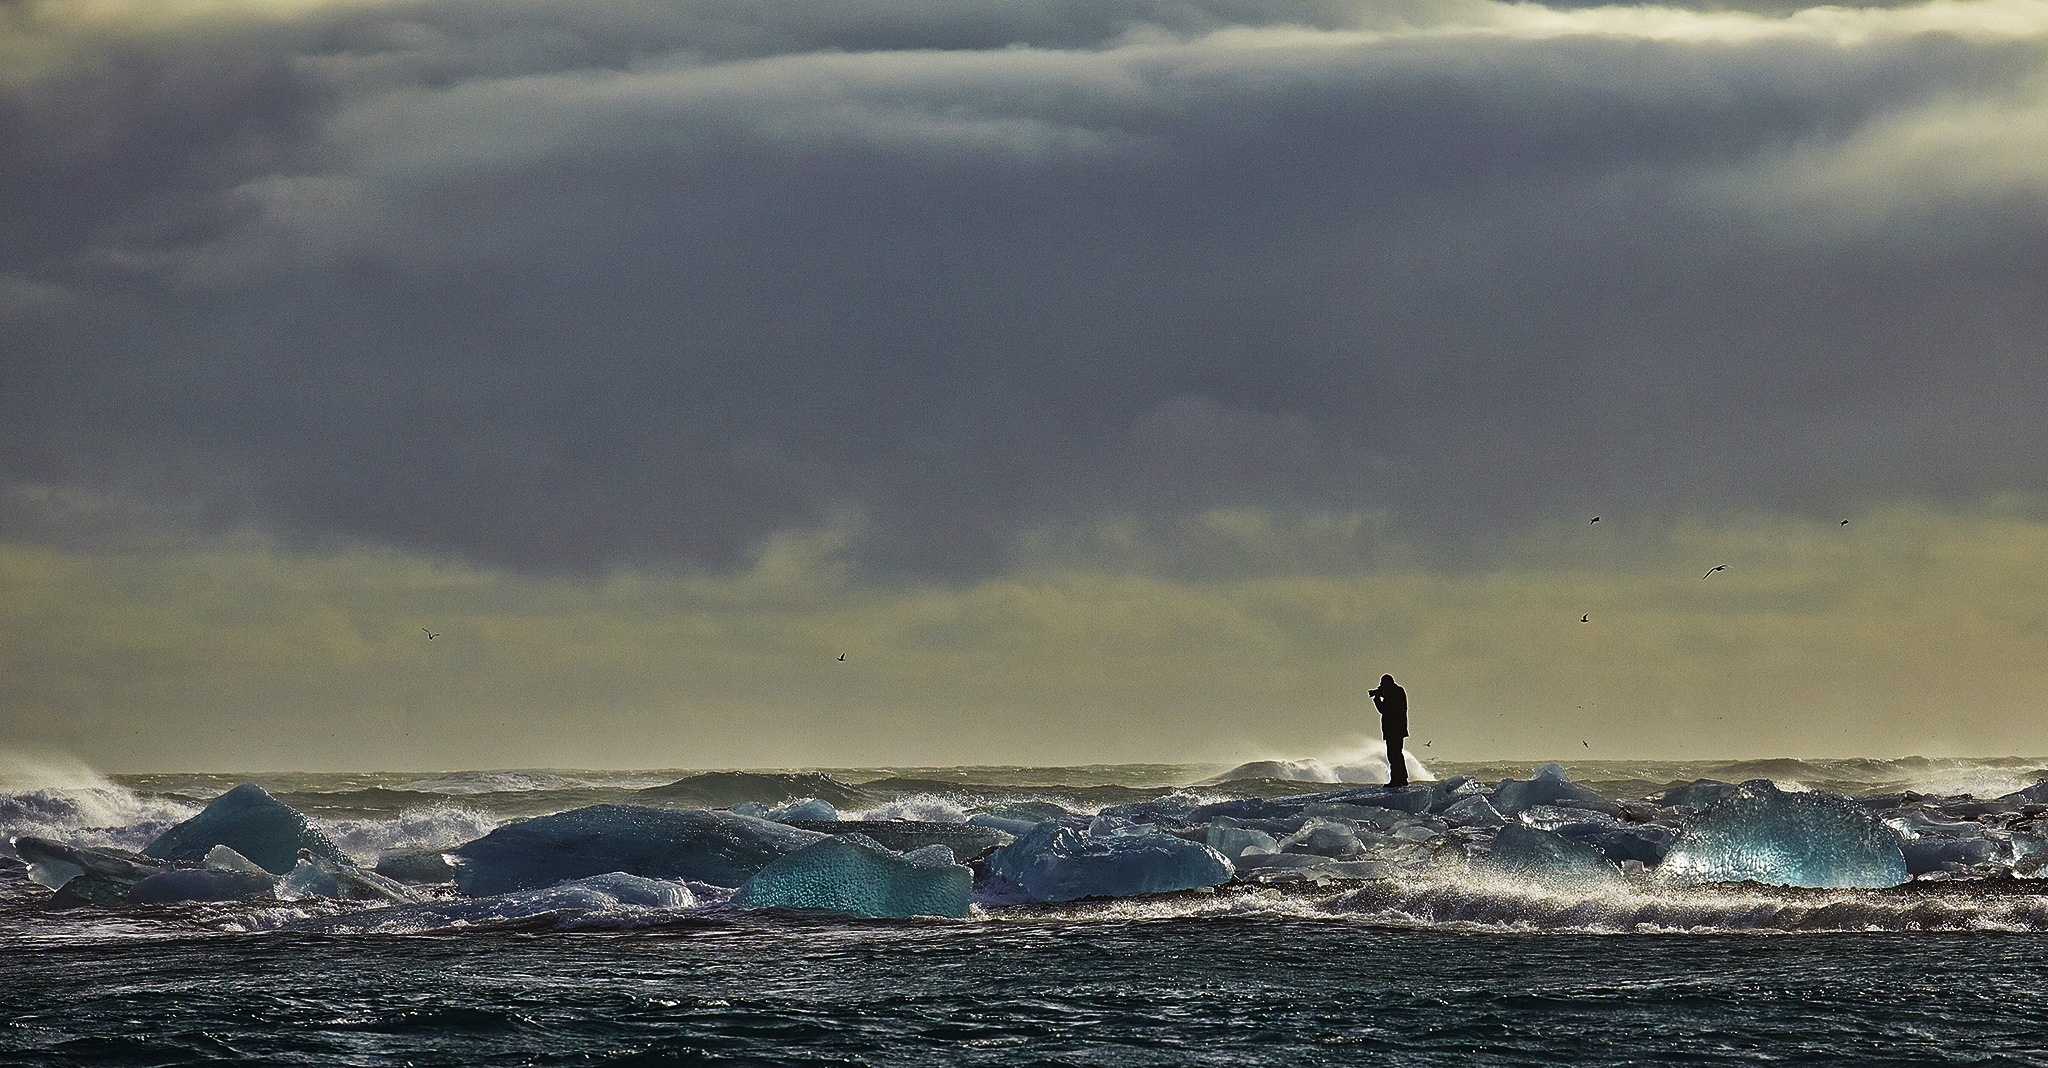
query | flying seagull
(1716,567)
(430,634)
(1596,519)
(1845,522)
(842,658)
(1587,618)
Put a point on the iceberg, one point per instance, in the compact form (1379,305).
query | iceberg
(854,875)
(720,848)
(1810,839)
(1058,863)
(250,822)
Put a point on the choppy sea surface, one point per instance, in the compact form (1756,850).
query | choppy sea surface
(1951,968)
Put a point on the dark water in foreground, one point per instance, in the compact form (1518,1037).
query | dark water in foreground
(1252,991)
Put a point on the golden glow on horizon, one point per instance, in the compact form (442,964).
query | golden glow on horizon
(1909,631)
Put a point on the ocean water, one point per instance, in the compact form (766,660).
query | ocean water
(1951,968)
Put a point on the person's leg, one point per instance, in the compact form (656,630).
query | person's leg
(1397,765)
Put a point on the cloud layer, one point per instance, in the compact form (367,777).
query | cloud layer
(557,291)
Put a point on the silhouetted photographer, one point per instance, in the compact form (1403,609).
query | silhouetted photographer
(1392,701)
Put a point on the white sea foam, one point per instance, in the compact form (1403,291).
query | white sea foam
(59,796)
(438,826)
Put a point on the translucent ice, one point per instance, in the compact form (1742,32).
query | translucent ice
(250,822)
(1473,811)
(316,876)
(1326,838)
(854,875)
(1773,836)
(1232,841)
(226,876)
(721,848)
(1057,863)
(1551,858)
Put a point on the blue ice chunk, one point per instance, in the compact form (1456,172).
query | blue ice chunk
(1058,863)
(52,863)
(201,884)
(1233,841)
(1550,858)
(1760,832)
(805,808)
(720,848)
(1473,810)
(84,875)
(221,858)
(1548,786)
(1327,838)
(250,822)
(316,876)
(854,875)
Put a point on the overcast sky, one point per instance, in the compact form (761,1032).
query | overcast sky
(1109,379)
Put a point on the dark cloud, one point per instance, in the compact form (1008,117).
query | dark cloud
(571,285)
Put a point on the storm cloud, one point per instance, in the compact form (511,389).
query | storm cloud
(557,285)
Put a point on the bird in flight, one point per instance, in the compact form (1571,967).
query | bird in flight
(430,634)
(1716,567)
(1586,743)
(842,658)
(1587,618)
(1845,522)
(1595,519)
